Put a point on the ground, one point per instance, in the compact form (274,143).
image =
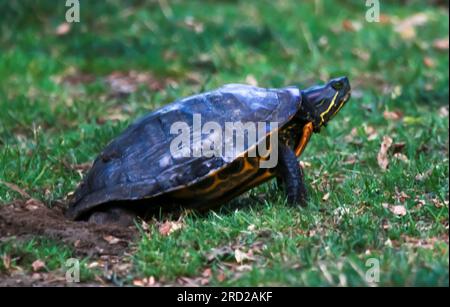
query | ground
(377,175)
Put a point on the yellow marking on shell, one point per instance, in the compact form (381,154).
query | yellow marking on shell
(247,167)
(329,108)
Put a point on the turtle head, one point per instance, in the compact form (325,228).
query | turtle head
(321,103)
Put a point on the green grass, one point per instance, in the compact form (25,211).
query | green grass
(53,255)
(46,126)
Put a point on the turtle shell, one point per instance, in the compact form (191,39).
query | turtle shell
(138,164)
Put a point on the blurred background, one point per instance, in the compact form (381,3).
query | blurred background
(68,88)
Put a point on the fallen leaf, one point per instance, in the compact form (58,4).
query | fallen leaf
(382,156)
(420,202)
(63,29)
(123,83)
(193,24)
(350,160)
(401,196)
(385,19)
(251,80)
(194,78)
(6,261)
(207,273)
(33,204)
(406,27)
(388,243)
(251,227)
(93,265)
(429,62)
(351,137)
(220,253)
(305,164)
(401,157)
(38,265)
(371,133)
(423,176)
(443,111)
(84,167)
(392,115)
(241,256)
(221,276)
(244,268)
(361,54)
(438,203)
(398,210)
(139,283)
(111,239)
(168,227)
(441,44)
(351,26)
(145,282)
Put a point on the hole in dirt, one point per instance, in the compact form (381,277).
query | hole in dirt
(21,222)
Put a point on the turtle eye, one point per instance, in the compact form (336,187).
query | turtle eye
(338,85)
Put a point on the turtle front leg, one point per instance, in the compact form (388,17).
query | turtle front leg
(291,175)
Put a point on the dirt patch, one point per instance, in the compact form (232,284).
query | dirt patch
(22,221)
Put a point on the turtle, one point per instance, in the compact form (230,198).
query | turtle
(148,168)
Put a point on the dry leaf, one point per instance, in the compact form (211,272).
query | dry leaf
(221,276)
(193,24)
(401,157)
(350,138)
(398,210)
(93,265)
(251,227)
(350,160)
(207,273)
(423,176)
(33,204)
(401,196)
(251,80)
(168,227)
(393,115)
(361,54)
(441,44)
(420,202)
(406,27)
(244,268)
(429,62)
(351,26)
(6,261)
(371,133)
(138,283)
(385,19)
(304,164)
(144,282)
(81,167)
(38,265)
(443,111)
(111,239)
(241,256)
(63,29)
(382,156)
